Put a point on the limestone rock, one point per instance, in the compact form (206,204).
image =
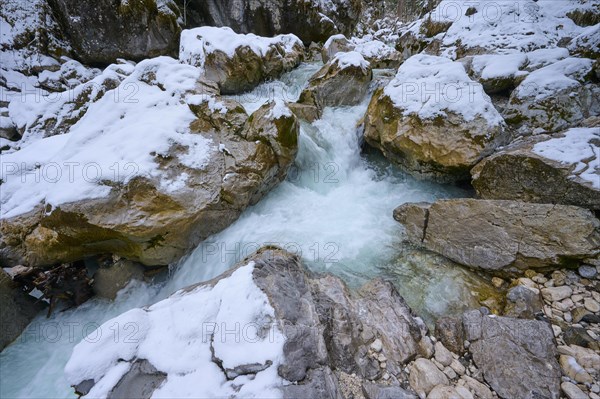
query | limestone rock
(342,81)
(555,294)
(536,169)
(451,333)
(415,122)
(425,376)
(572,391)
(523,303)
(239,62)
(511,236)
(517,357)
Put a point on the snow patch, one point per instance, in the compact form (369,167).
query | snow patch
(351,59)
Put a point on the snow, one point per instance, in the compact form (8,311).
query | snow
(547,81)
(540,58)
(175,336)
(374,49)
(197,43)
(579,147)
(430,86)
(280,110)
(504,26)
(350,59)
(333,38)
(112,142)
(492,66)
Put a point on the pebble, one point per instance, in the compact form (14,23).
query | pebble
(572,391)
(450,373)
(594,396)
(591,305)
(595,388)
(497,282)
(568,317)
(587,271)
(554,294)
(577,298)
(557,330)
(377,345)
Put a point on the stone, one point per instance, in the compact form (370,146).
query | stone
(109,281)
(527,171)
(480,390)
(175,220)
(458,367)
(512,236)
(444,392)
(377,345)
(523,302)
(587,271)
(451,333)
(586,357)
(426,347)
(424,376)
(591,305)
(497,282)
(379,391)
(538,103)
(129,30)
(572,391)
(335,44)
(254,60)
(440,144)
(342,81)
(573,370)
(443,355)
(17,309)
(139,382)
(578,336)
(555,294)
(517,357)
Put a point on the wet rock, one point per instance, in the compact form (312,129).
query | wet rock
(343,81)
(17,309)
(130,30)
(243,67)
(109,281)
(424,376)
(512,236)
(517,357)
(433,138)
(529,170)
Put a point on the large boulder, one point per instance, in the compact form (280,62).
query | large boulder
(17,309)
(144,186)
(311,20)
(104,30)
(379,54)
(559,168)
(239,62)
(510,236)
(267,327)
(517,357)
(342,81)
(555,97)
(433,120)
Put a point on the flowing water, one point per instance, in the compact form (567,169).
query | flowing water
(334,209)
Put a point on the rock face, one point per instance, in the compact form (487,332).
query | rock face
(312,332)
(517,357)
(555,97)
(511,236)
(559,168)
(433,120)
(342,81)
(190,173)
(312,21)
(17,309)
(239,62)
(128,29)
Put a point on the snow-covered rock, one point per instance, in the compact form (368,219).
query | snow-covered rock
(342,81)
(433,119)
(556,96)
(71,74)
(239,62)
(140,174)
(379,54)
(266,328)
(563,168)
(335,44)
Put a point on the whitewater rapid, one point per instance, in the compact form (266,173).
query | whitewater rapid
(334,210)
